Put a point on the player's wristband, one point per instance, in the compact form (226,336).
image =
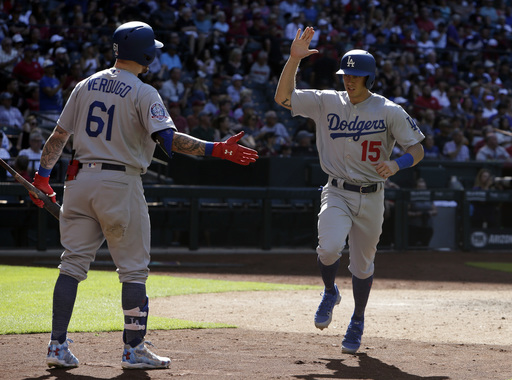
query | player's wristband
(44,172)
(405,161)
(208,148)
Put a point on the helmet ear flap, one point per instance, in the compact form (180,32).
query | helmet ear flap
(370,80)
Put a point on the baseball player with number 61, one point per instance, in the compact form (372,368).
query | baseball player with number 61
(356,131)
(116,120)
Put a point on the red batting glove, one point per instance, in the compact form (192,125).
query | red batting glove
(42,183)
(232,151)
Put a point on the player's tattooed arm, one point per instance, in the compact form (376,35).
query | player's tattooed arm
(286,103)
(187,144)
(53,147)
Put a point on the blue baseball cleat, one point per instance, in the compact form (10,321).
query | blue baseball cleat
(352,339)
(323,316)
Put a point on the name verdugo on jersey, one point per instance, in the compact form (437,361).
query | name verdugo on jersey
(109,86)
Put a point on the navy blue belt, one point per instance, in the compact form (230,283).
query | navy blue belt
(358,189)
(104,166)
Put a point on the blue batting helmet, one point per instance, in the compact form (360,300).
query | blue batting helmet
(135,41)
(359,63)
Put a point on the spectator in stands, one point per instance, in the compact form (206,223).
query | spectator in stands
(220,30)
(426,101)
(192,115)
(249,124)
(170,59)
(21,164)
(503,131)
(12,86)
(420,222)
(445,133)
(29,125)
(272,124)
(457,149)
(323,71)
(440,92)
(90,59)
(454,110)
(172,89)
(10,116)
(4,155)
(179,120)
(223,128)
(304,146)
(430,150)
(237,36)
(33,153)
(62,63)
(492,151)
(244,105)
(267,145)
(206,64)
(74,76)
(489,109)
(259,73)
(212,106)
(426,122)
(226,109)
(50,96)
(235,88)
(28,69)
(186,27)
(217,84)
(188,92)
(453,38)
(204,27)
(8,55)
(235,64)
(204,129)
(484,214)
(501,114)
(18,44)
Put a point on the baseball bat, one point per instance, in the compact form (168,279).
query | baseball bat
(52,208)
(507,133)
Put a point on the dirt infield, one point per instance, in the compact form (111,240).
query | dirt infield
(430,316)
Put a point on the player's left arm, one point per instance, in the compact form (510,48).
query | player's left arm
(230,150)
(412,156)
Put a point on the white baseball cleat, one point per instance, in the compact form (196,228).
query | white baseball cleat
(60,356)
(140,357)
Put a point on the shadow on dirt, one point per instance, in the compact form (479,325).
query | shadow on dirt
(369,368)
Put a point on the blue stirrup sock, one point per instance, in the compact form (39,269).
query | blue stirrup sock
(328,273)
(135,309)
(64,295)
(361,291)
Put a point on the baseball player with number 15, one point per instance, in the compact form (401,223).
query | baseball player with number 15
(356,131)
(116,120)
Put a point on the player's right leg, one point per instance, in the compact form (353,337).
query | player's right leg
(136,309)
(333,226)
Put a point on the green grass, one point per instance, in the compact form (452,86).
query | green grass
(503,267)
(27,299)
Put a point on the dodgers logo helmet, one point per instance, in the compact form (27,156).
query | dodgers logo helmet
(135,41)
(359,63)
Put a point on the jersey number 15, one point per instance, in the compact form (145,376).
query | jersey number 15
(95,124)
(371,150)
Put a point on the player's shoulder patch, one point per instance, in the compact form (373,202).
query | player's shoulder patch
(157,111)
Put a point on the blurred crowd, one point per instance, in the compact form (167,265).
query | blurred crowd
(448,63)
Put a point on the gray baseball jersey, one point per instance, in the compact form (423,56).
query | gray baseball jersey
(352,137)
(112,115)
